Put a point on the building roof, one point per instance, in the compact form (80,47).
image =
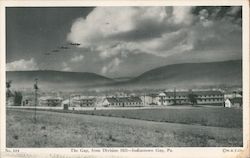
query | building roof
(66,101)
(211,92)
(162,94)
(83,97)
(177,93)
(123,99)
(153,95)
(231,95)
(50,98)
(186,93)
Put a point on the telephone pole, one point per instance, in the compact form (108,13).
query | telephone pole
(174,96)
(36,88)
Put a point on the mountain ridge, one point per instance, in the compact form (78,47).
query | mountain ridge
(177,75)
(57,79)
(207,73)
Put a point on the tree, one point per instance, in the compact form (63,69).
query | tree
(192,98)
(8,85)
(18,98)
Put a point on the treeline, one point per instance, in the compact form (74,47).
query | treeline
(17,96)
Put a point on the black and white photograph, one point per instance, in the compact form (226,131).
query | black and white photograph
(124,76)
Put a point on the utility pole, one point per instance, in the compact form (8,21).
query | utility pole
(144,99)
(69,100)
(36,88)
(174,96)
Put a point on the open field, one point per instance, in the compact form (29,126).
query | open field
(55,129)
(206,116)
(219,117)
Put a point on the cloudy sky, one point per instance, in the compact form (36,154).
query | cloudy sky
(120,41)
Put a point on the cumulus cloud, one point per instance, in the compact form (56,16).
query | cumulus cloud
(77,58)
(116,32)
(121,49)
(112,66)
(182,15)
(105,22)
(105,26)
(66,67)
(22,65)
(101,23)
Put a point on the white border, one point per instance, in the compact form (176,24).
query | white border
(177,152)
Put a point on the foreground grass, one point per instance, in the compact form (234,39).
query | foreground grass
(205,116)
(219,117)
(71,130)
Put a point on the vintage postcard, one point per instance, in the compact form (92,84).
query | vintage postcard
(84,79)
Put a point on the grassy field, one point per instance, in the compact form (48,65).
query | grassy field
(206,116)
(54,129)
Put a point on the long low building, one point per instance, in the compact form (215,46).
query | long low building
(83,101)
(211,97)
(122,101)
(50,101)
